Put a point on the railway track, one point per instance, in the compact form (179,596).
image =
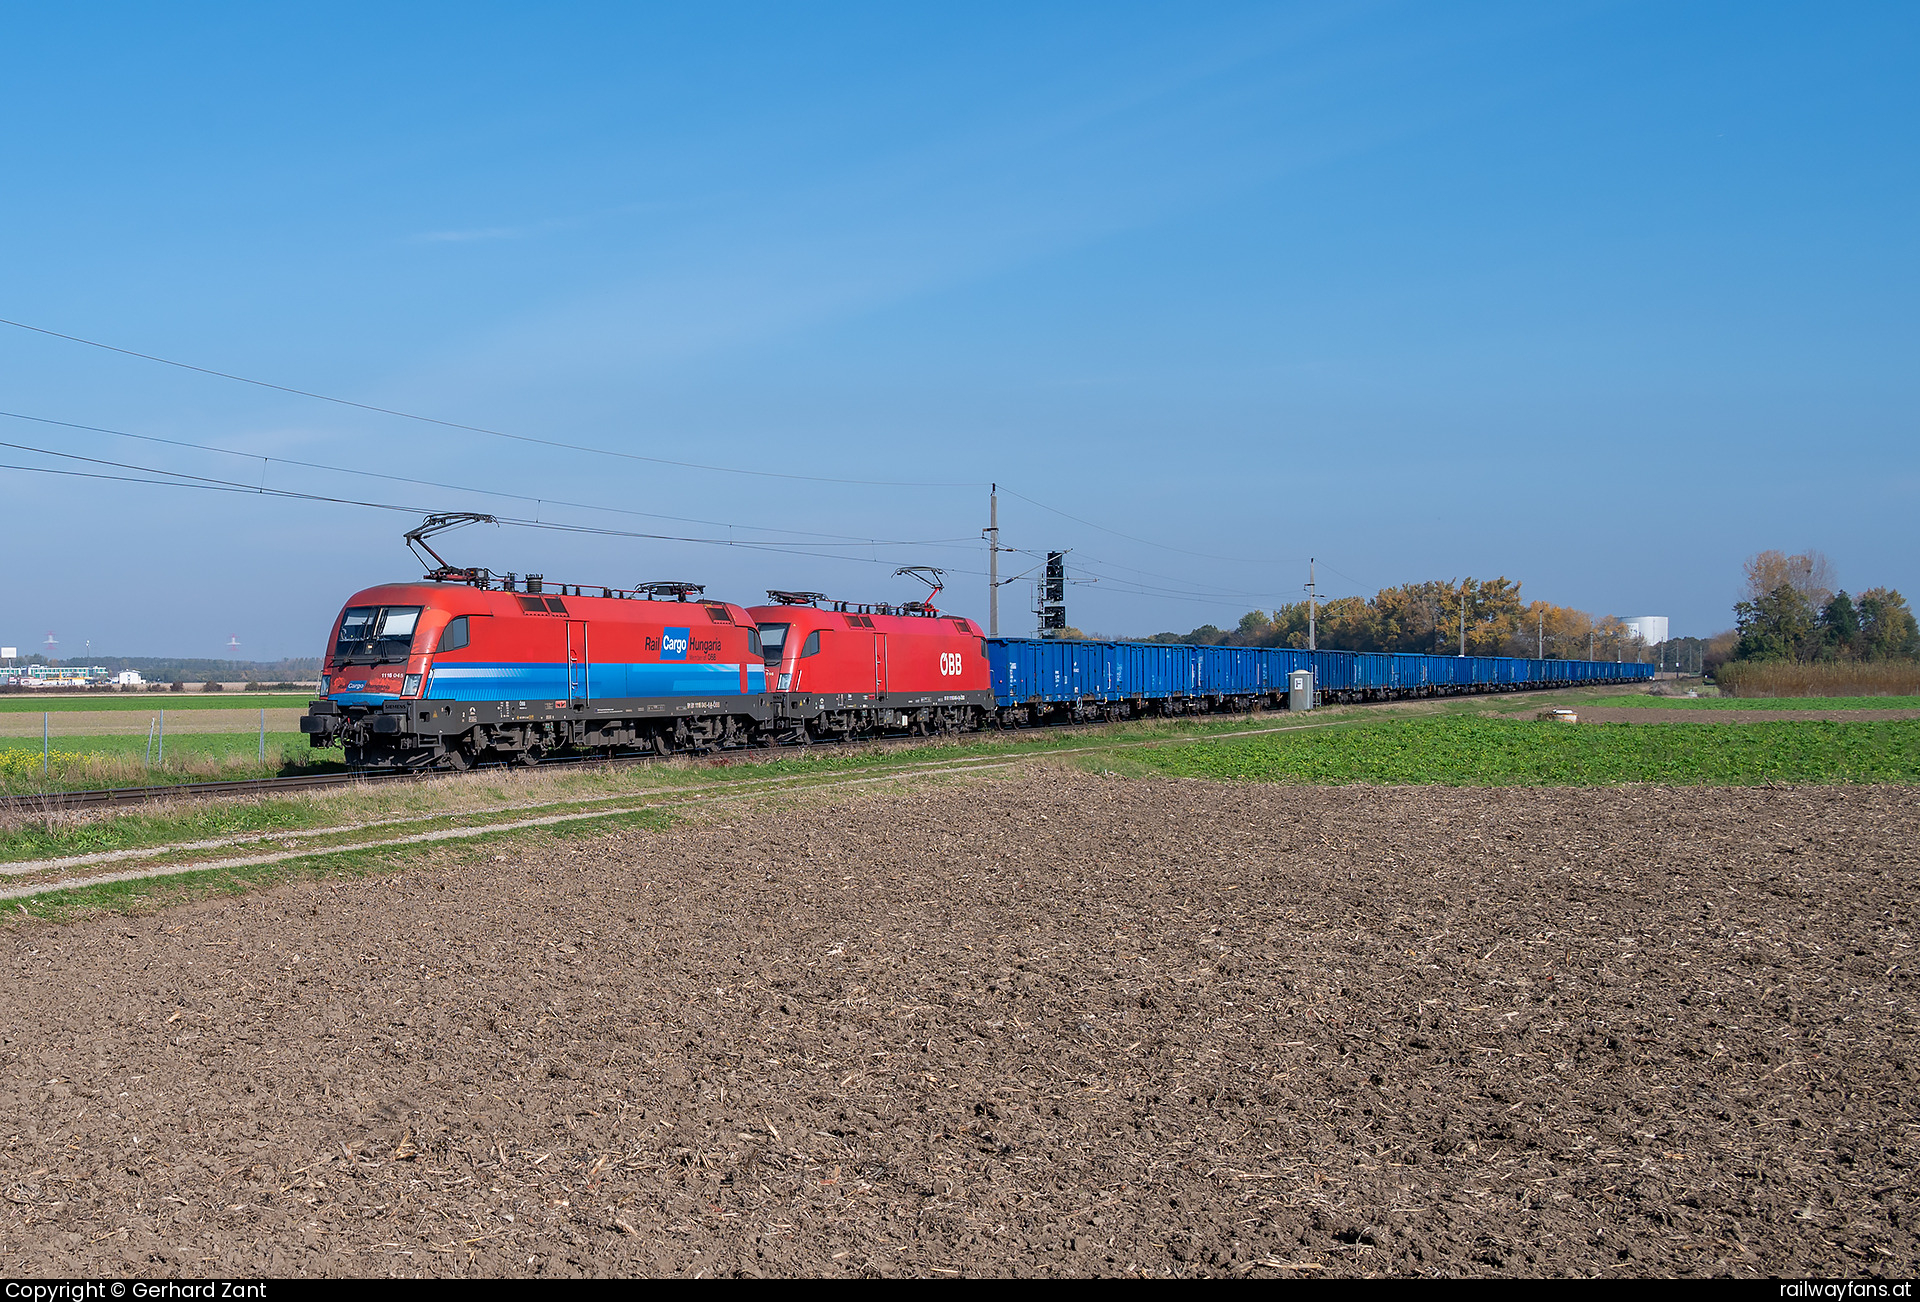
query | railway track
(113,797)
(280,847)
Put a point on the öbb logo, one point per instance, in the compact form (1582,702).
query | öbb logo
(673,643)
(951,665)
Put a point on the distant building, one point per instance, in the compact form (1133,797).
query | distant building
(1651,628)
(129,678)
(55,675)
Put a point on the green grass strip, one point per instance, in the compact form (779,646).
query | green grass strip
(1771,702)
(148,894)
(1460,751)
(152,702)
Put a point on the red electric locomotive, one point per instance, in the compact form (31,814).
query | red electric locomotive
(840,669)
(466,667)
(454,670)
(448,674)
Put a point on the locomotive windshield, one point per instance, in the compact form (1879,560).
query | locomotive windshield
(374,634)
(772,638)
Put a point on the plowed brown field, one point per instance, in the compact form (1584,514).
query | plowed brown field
(1059,1025)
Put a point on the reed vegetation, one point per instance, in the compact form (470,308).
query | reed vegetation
(1761,678)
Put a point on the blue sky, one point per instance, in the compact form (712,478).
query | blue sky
(1602,297)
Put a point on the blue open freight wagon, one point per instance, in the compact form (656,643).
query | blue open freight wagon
(1090,676)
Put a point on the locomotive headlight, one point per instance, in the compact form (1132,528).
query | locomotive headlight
(410,685)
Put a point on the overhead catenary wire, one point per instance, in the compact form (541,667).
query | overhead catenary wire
(207,483)
(593,450)
(606,452)
(1145,542)
(479,429)
(178,479)
(849,539)
(1092,565)
(181,479)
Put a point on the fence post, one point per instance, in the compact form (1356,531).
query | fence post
(149,741)
(45,721)
(263,736)
(163,739)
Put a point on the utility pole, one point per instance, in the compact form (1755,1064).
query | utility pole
(1540,636)
(993,560)
(1313,595)
(1589,644)
(1463,619)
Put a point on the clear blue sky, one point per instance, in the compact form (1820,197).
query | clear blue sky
(1602,297)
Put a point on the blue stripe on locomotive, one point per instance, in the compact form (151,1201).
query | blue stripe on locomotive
(548,681)
(1025,669)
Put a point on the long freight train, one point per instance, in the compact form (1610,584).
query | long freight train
(463,669)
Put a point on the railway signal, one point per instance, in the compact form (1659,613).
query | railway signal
(1053,594)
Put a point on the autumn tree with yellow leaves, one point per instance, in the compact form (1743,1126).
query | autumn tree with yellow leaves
(1428,617)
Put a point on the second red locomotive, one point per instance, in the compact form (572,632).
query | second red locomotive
(844,669)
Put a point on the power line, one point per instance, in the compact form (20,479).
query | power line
(1147,542)
(1088,563)
(474,429)
(849,539)
(179,479)
(583,448)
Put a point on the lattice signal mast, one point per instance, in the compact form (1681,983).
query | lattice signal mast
(1052,607)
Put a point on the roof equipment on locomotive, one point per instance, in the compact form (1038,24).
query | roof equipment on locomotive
(935,579)
(678,589)
(443,572)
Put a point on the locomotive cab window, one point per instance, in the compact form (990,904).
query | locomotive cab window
(753,643)
(375,634)
(773,637)
(455,635)
(812,648)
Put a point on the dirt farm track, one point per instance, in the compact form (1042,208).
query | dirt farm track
(1059,1024)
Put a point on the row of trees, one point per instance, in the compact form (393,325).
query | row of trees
(1791,611)
(1427,617)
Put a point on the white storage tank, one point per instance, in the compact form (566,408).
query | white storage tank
(1651,628)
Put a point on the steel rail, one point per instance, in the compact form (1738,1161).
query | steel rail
(110,797)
